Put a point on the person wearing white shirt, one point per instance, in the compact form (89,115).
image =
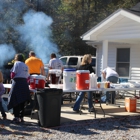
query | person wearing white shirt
(111,76)
(57,64)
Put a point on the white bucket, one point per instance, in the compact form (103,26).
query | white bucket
(69,79)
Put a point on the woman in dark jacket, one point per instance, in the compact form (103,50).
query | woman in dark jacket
(19,92)
(85,65)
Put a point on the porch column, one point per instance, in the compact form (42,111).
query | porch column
(104,54)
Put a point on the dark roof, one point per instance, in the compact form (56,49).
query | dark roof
(135,10)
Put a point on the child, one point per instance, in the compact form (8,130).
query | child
(2,90)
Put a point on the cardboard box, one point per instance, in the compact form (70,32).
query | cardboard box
(130,104)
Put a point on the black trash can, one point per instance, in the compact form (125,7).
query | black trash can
(49,103)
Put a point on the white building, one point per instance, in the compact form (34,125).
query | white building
(117,41)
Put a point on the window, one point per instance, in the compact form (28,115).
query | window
(64,60)
(73,61)
(93,63)
(123,62)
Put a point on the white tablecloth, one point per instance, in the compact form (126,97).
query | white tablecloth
(10,85)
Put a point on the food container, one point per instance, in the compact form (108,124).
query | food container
(102,85)
(82,79)
(69,79)
(98,85)
(37,81)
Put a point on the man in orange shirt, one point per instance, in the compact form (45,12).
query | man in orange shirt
(35,64)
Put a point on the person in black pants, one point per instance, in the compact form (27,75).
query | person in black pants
(19,92)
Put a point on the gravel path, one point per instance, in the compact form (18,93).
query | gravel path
(118,128)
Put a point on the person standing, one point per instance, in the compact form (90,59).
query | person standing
(19,93)
(111,76)
(54,63)
(35,64)
(85,65)
(2,90)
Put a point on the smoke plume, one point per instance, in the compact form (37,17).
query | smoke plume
(36,32)
(10,12)
(6,52)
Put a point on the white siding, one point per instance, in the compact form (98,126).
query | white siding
(122,29)
(111,58)
(135,63)
(112,50)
